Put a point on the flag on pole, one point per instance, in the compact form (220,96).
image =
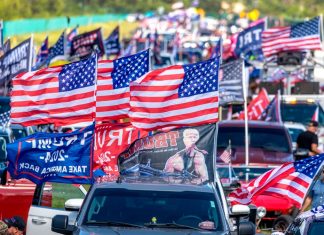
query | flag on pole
(226,155)
(42,54)
(272,112)
(57,49)
(61,95)
(114,77)
(5,118)
(301,36)
(291,180)
(69,39)
(112,44)
(178,95)
(217,49)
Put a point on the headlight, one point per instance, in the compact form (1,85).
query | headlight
(261,211)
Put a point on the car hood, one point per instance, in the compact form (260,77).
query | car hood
(259,156)
(96,230)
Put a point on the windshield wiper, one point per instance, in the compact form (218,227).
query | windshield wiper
(171,225)
(113,223)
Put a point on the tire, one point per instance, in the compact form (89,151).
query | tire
(282,222)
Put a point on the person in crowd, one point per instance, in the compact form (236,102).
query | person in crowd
(309,139)
(3,228)
(316,196)
(16,225)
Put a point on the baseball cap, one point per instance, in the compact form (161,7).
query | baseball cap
(17,222)
(313,123)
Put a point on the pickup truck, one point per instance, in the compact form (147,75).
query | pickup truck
(147,206)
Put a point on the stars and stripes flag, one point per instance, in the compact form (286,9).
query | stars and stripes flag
(61,95)
(5,118)
(114,77)
(315,115)
(272,112)
(291,180)
(57,49)
(177,95)
(69,39)
(226,155)
(301,36)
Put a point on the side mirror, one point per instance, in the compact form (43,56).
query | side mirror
(240,210)
(73,204)
(60,224)
(3,176)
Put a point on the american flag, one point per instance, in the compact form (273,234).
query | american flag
(5,118)
(302,36)
(57,49)
(60,95)
(176,95)
(217,49)
(112,43)
(290,180)
(226,155)
(69,38)
(315,115)
(114,77)
(231,82)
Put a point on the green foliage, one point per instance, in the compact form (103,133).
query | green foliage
(17,9)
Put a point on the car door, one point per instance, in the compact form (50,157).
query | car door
(49,200)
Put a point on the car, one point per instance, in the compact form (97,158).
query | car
(294,130)
(309,222)
(270,145)
(145,205)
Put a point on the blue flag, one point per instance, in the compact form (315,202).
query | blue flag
(112,43)
(272,112)
(57,49)
(53,157)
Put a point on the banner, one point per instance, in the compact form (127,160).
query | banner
(110,141)
(112,43)
(15,61)
(256,106)
(184,154)
(231,83)
(84,44)
(63,158)
(249,41)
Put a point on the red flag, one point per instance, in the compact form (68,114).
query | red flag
(110,141)
(291,180)
(257,106)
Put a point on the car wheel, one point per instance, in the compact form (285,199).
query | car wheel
(282,223)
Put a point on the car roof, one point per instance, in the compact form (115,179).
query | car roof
(241,123)
(295,125)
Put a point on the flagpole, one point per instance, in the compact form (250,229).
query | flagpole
(230,163)
(245,117)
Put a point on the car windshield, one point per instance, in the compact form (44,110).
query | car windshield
(271,139)
(144,208)
(300,113)
(246,174)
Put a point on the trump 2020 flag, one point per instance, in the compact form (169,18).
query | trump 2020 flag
(178,95)
(114,77)
(53,157)
(301,36)
(291,180)
(60,95)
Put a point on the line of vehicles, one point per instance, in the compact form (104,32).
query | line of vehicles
(56,208)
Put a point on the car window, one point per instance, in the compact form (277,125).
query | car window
(55,195)
(270,139)
(142,207)
(316,228)
(301,113)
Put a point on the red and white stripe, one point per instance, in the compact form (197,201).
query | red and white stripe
(281,181)
(111,104)
(36,99)
(155,102)
(277,39)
